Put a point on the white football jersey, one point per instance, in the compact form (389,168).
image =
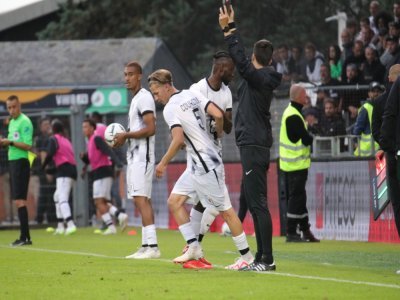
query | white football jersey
(187,109)
(221,97)
(140,149)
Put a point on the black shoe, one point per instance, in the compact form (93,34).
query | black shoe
(309,236)
(19,242)
(258,266)
(294,238)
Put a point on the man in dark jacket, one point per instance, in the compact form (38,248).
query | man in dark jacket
(389,140)
(253,131)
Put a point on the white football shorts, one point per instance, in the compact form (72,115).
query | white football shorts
(102,188)
(139,178)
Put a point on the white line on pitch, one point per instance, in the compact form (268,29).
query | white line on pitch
(385,285)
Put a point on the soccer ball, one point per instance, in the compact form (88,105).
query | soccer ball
(111,131)
(225,231)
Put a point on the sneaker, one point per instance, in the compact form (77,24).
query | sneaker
(137,253)
(398,272)
(294,238)
(196,264)
(151,252)
(19,242)
(123,220)
(258,266)
(309,236)
(240,263)
(70,230)
(109,230)
(192,253)
(59,231)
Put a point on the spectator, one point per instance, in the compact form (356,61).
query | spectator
(392,44)
(382,20)
(347,44)
(394,29)
(372,68)
(314,60)
(366,34)
(325,90)
(396,11)
(381,45)
(47,182)
(351,26)
(363,125)
(311,116)
(374,9)
(335,62)
(285,63)
(352,97)
(332,124)
(299,64)
(357,57)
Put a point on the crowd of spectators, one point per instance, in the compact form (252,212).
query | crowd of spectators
(344,77)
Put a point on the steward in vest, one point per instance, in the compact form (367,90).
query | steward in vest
(294,161)
(363,125)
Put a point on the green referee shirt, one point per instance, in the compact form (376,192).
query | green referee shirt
(19,130)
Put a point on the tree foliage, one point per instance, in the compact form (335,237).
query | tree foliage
(190,27)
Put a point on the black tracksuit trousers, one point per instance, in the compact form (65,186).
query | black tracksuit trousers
(255,163)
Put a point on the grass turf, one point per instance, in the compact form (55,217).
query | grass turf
(89,266)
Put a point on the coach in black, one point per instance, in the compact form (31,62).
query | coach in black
(253,131)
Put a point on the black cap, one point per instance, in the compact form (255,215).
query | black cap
(374,85)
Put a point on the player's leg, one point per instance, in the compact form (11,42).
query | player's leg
(255,162)
(66,184)
(140,182)
(19,177)
(60,220)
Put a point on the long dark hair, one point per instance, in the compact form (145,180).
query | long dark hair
(338,53)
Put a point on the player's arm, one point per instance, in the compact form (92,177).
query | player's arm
(215,112)
(148,130)
(228,121)
(106,150)
(50,151)
(177,142)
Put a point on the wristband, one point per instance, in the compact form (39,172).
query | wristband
(232,25)
(226,29)
(12,143)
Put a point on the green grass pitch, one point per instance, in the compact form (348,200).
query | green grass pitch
(89,266)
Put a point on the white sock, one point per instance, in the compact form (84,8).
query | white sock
(208,218)
(112,210)
(65,210)
(107,219)
(144,237)
(195,220)
(151,234)
(241,244)
(187,233)
(60,225)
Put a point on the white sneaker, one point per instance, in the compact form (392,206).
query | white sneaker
(398,272)
(109,230)
(59,231)
(151,252)
(240,262)
(123,220)
(193,252)
(137,253)
(70,230)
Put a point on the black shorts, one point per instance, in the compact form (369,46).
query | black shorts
(19,178)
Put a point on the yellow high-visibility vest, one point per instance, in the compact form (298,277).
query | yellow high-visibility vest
(292,156)
(366,140)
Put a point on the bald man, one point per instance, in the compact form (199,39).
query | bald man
(294,162)
(385,124)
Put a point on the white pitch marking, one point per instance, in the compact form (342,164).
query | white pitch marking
(384,285)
